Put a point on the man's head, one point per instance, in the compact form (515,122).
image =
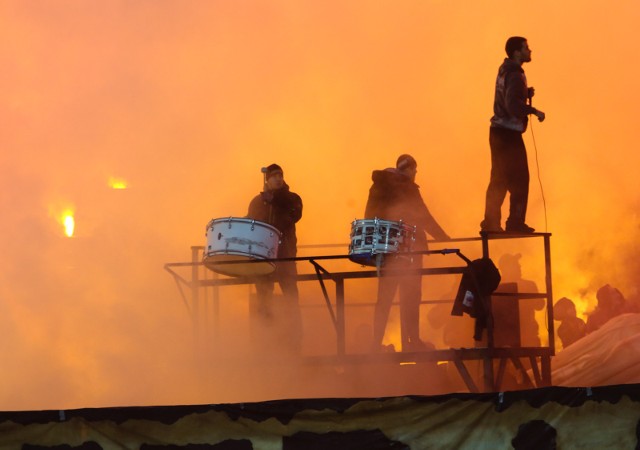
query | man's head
(564,309)
(510,268)
(407,165)
(518,49)
(610,298)
(274,177)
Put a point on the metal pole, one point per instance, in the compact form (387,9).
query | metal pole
(485,245)
(195,299)
(340,328)
(545,361)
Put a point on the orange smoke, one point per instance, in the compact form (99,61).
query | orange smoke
(190,101)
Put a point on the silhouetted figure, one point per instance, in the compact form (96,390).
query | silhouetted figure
(395,196)
(535,435)
(281,208)
(633,300)
(511,272)
(509,167)
(454,330)
(611,303)
(571,326)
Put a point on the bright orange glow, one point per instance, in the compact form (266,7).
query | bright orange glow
(188,100)
(117,183)
(69,224)
(64,217)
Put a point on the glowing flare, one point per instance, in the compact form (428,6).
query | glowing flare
(116,183)
(69,224)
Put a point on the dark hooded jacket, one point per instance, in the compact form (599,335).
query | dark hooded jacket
(479,280)
(394,197)
(510,109)
(282,209)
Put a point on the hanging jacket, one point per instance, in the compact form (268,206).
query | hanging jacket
(479,280)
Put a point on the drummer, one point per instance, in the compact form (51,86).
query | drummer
(281,208)
(395,196)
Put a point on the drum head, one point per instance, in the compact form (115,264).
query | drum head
(255,267)
(365,259)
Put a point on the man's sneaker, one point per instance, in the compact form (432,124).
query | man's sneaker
(520,228)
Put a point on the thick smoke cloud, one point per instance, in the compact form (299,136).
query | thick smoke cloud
(186,101)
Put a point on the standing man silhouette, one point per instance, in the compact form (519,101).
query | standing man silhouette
(394,195)
(280,207)
(509,166)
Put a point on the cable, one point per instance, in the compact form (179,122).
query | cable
(544,201)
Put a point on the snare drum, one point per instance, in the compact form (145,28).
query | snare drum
(239,239)
(370,237)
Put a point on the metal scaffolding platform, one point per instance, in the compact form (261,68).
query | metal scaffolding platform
(201,290)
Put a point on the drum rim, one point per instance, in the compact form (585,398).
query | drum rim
(228,269)
(247,220)
(398,223)
(234,253)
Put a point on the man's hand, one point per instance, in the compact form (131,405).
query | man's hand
(267,196)
(540,115)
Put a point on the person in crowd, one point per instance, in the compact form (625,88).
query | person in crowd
(571,328)
(611,303)
(511,272)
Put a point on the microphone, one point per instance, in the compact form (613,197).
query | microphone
(263,170)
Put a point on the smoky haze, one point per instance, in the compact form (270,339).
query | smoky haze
(185,102)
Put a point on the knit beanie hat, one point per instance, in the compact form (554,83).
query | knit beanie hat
(405,162)
(272,170)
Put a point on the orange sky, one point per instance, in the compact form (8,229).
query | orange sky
(187,100)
